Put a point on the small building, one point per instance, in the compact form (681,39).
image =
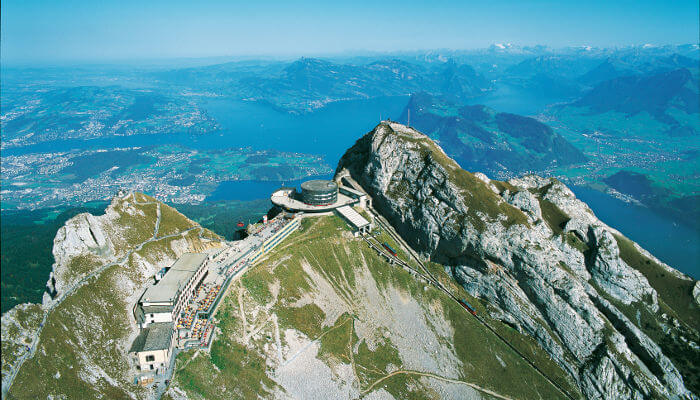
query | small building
(152,348)
(359,224)
(286,191)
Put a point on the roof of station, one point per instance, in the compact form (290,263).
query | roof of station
(319,185)
(353,216)
(167,289)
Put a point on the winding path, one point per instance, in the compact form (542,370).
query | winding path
(438,377)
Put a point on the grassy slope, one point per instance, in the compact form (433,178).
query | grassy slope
(86,334)
(325,245)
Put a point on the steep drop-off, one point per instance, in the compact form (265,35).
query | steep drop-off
(619,321)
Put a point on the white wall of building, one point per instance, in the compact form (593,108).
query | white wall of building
(156,317)
(153,360)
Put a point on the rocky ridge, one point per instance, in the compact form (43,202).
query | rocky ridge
(74,344)
(542,262)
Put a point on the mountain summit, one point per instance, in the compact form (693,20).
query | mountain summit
(621,322)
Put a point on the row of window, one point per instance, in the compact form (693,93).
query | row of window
(184,299)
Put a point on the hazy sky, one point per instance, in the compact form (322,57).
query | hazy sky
(55,30)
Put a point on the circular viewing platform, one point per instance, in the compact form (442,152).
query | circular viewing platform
(316,196)
(319,192)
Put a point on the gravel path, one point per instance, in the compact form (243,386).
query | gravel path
(442,378)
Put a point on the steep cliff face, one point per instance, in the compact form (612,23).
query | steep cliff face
(622,323)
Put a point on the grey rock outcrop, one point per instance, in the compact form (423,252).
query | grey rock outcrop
(611,273)
(527,203)
(81,235)
(552,275)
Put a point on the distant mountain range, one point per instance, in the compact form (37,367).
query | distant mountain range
(641,121)
(615,67)
(310,83)
(482,139)
(306,84)
(654,93)
(567,76)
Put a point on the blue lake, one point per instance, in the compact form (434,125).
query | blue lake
(675,244)
(328,131)
(253,190)
(516,100)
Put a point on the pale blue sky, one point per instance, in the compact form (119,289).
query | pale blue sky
(78,30)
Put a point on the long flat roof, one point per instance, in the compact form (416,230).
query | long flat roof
(157,309)
(353,191)
(156,336)
(353,216)
(167,289)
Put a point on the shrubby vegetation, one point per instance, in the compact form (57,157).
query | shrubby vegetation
(26,250)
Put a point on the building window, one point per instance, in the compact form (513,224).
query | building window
(151,366)
(151,315)
(150,358)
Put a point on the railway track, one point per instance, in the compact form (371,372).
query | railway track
(374,244)
(430,278)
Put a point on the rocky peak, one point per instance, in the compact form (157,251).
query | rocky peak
(561,275)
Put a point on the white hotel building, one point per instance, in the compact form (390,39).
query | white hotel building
(160,306)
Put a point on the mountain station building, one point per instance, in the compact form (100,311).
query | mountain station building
(159,307)
(163,301)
